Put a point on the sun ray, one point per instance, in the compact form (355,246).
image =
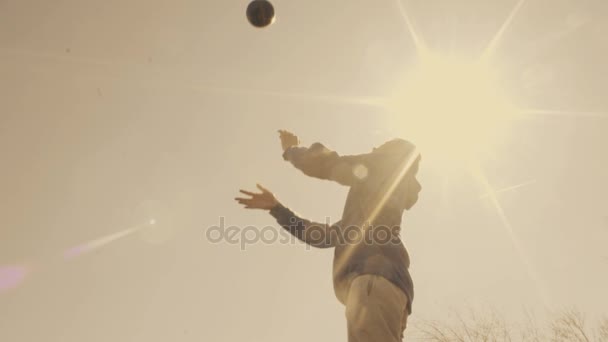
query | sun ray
(98,243)
(510,188)
(491,48)
(561,113)
(367,224)
(404,168)
(480,175)
(418,42)
(171,82)
(358,100)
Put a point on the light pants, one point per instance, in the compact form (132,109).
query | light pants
(376,310)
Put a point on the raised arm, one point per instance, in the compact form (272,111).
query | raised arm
(320,162)
(314,234)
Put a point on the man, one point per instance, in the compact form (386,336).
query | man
(370,269)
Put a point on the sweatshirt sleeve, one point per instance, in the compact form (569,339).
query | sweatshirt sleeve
(315,234)
(320,162)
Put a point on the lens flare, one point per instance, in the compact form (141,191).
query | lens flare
(11,277)
(160,227)
(93,245)
(509,188)
(451,108)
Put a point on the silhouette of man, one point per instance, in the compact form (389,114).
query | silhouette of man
(370,268)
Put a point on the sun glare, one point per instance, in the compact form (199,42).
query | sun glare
(451,107)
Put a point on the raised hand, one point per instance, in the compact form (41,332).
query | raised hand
(264,200)
(288,139)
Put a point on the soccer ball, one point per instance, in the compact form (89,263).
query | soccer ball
(260,13)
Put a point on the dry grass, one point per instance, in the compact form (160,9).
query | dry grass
(567,326)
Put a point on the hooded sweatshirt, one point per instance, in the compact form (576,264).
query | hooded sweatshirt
(367,240)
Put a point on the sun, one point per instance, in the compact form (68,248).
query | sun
(451,107)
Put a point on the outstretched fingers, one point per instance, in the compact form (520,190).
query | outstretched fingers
(263,200)
(244,201)
(249,193)
(247,203)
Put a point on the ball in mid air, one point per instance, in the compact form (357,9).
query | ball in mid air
(260,13)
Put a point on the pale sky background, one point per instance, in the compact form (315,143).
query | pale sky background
(113,113)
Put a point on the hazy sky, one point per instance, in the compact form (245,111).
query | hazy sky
(113,113)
